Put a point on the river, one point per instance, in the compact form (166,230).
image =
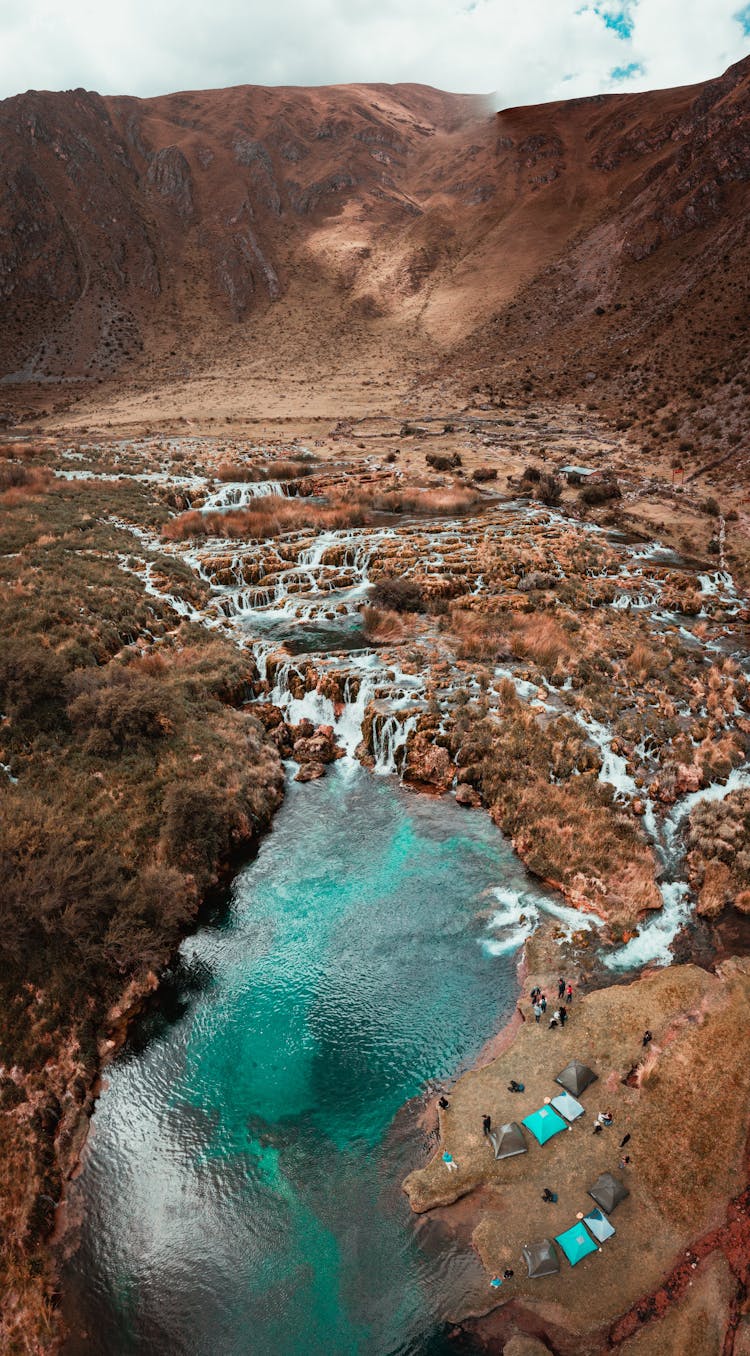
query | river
(240,1191)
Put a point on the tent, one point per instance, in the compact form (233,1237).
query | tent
(540,1258)
(608,1191)
(508,1140)
(596,1221)
(567,1106)
(576,1243)
(576,1077)
(544,1123)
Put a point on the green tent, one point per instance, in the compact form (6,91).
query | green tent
(608,1191)
(540,1258)
(576,1243)
(544,1123)
(575,1077)
(508,1140)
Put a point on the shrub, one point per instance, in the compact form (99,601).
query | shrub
(600,491)
(483,473)
(397,594)
(443,462)
(117,708)
(549,489)
(531,474)
(32,680)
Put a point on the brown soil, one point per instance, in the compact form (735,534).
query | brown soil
(682,1103)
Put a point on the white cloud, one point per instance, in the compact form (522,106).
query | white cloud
(527,50)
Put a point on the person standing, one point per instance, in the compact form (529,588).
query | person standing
(486,1124)
(569,995)
(537,1012)
(543,1002)
(563,1014)
(561,987)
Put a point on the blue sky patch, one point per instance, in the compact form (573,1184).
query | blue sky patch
(625,72)
(620,21)
(743,17)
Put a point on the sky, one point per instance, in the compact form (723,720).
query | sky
(525,51)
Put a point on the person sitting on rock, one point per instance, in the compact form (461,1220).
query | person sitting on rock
(443,1102)
(513,1086)
(647,1037)
(555,1018)
(450,1162)
(549,1196)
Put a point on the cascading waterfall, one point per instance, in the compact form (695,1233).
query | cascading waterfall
(237,494)
(389,739)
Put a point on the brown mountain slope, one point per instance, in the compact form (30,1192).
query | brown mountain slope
(268,238)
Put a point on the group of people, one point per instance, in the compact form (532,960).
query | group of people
(539,1003)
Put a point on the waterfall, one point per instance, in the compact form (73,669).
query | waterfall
(320,709)
(238,494)
(389,738)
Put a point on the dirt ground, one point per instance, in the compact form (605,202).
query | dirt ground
(683,1105)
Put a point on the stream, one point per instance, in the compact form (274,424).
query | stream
(240,1190)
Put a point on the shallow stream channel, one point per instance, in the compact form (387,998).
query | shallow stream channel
(241,1186)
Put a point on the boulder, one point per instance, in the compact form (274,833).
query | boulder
(315,750)
(467,796)
(310,772)
(428,764)
(689,779)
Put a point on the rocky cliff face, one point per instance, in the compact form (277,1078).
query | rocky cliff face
(599,243)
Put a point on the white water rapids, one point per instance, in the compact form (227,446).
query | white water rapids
(269,592)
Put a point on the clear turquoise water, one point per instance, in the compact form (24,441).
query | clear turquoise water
(241,1188)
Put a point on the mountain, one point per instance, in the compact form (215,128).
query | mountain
(594,249)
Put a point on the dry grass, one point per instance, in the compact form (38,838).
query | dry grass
(289,468)
(267,517)
(541,638)
(381,624)
(19,484)
(435,503)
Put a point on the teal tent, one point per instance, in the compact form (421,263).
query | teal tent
(599,1225)
(576,1243)
(567,1106)
(544,1123)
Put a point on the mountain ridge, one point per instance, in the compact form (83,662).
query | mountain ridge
(141,236)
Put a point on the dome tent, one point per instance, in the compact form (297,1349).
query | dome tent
(576,1077)
(608,1191)
(540,1258)
(576,1243)
(544,1123)
(508,1140)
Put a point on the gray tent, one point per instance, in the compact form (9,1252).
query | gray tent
(540,1258)
(508,1140)
(608,1191)
(575,1077)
